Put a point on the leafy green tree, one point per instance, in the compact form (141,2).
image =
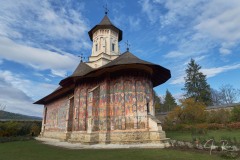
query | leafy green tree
(169,102)
(196,85)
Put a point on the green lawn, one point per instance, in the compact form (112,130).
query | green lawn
(34,150)
(217,134)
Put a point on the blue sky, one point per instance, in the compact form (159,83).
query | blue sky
(40,42)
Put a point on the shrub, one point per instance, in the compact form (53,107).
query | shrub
(19,128)
(216,126)
(234,125)
(35,129)
(189,112)
(235,114)
(219,116)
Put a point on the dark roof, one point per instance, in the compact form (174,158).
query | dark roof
(126,60)
(159,74)
(105,21)
(81,70)
(104,24)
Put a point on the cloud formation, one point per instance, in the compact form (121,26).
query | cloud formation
(37,58)
(209,72)
(46,21)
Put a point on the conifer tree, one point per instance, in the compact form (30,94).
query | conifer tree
(157,102)
(196,85)
(169,102)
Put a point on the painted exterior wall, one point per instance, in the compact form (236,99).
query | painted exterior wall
(118,103)
(56,115)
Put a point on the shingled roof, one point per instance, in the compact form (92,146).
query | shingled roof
(81,70)
(105,24)
(159,73)
(105,21)
(126,60)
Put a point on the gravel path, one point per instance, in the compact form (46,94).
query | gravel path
(55,142)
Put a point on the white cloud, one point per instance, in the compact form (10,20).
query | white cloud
(200,58)
(41,21)
(32,89)
(225,51)
(196,26)
(134,22)
(37,58)
(178,80)
(173,54)
(18,102)
(220,20)
(18,93)
(150,10)
(209,72)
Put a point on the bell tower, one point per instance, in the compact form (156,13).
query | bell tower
(105,37)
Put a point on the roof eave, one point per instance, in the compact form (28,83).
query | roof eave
(119,31)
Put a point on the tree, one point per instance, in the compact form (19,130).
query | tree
(169,102)
(229,94)
(225,95)
(196,85)
(157,101)
(216,97)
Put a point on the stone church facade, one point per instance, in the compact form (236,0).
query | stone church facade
(108,99)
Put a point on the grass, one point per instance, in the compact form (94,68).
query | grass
(29,150)
(217,134)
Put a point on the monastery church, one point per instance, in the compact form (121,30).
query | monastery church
(108,99)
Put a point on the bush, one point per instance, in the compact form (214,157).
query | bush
(235,114)
(234,125)
(189,112)
(216,126)
(219,116)
(35,129)
(19,128)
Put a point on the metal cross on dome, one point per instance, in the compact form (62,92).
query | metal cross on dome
(81,57)
(106,9)
(127,45)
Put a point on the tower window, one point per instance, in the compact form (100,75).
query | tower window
(113,47)
(96,47)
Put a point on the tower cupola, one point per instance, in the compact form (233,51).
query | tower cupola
(105,48)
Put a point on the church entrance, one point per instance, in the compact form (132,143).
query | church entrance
(70,114)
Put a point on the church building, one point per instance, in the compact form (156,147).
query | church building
(108,99)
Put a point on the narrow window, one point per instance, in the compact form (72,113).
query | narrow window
(113,46)
(96,46)
(148,112)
